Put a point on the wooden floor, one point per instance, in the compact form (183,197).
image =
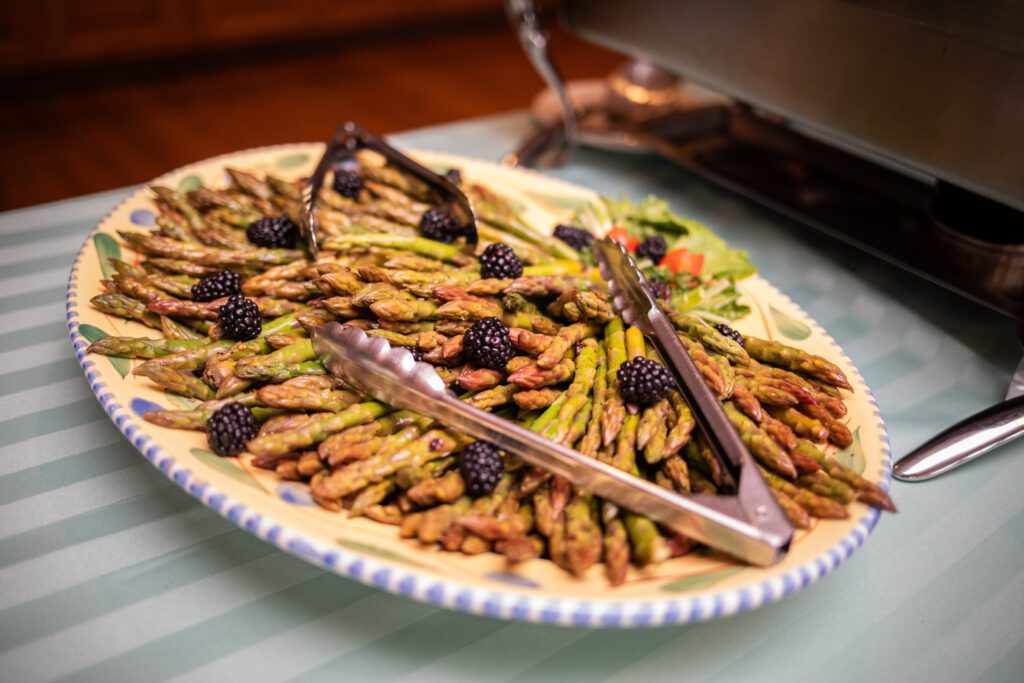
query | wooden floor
(64,136)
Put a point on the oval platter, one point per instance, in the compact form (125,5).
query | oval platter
(696,587)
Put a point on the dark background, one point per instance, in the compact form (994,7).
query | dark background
(101,94)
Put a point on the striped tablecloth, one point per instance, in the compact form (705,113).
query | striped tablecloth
(109,572)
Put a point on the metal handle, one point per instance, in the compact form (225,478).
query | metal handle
(522,14)
(350,137)
(964,441)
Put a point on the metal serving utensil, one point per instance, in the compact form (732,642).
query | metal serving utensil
(350,137)
(555,149)
(634,302)
(971,437)
(740,525)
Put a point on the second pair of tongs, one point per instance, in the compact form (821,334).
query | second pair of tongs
(350,137)
(748,525)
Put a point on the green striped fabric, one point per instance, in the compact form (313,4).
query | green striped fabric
(108,572)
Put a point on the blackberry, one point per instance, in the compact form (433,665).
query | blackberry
(658,288)
(481,466)
(437,224)
(577,238)
(498,260)
(487,344)
(454,176)
(347,183)
(644,382)
(652,247)
(273,232)
(216,286)
(240,318)
(229,429)
(730,333)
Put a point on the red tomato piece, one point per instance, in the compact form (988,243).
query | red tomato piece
(622,236)
(682,261)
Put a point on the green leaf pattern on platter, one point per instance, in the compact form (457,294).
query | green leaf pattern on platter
(853,455)
(190,183)
(181,402)
(106,248)
(226,466)
(292,160)
(560,202)
(371,549)
(92,333)
(789,326)
(698,582)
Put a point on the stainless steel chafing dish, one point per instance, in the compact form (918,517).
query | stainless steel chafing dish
(895,125)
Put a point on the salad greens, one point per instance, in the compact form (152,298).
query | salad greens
(701,268)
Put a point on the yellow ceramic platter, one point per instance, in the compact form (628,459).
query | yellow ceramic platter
(690,588)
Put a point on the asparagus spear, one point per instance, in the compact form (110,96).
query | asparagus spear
(708,368)
(530,343)
(563,341)
(179,382)
(534,399)
(822,484)
(680,433)
(650,418)
(796,515)
(418,245)
(815,505)
(614,411)
(583,534)
(838,433)
(796,360)
(307,393)
(337,448)
(760,444)
(431,491)
(699,331)
(767,394)
(648,545)
(867,492)
(677,471)
(133,347)
(317,429)
(156,245)
(616,551)
(355,476)
(591,439)
(531,376)
(125,307)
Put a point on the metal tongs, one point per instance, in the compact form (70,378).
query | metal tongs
(350,137)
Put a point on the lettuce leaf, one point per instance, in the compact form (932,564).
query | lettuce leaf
(713,295)
(652,215)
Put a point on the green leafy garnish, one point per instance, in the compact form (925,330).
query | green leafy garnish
(713,293)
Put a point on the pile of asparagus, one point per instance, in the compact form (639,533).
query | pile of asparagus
(396,467)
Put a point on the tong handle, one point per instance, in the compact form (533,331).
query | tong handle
(348,138)
(627,286)
(390,374)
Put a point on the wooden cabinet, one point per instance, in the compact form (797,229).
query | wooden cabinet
(39,35)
